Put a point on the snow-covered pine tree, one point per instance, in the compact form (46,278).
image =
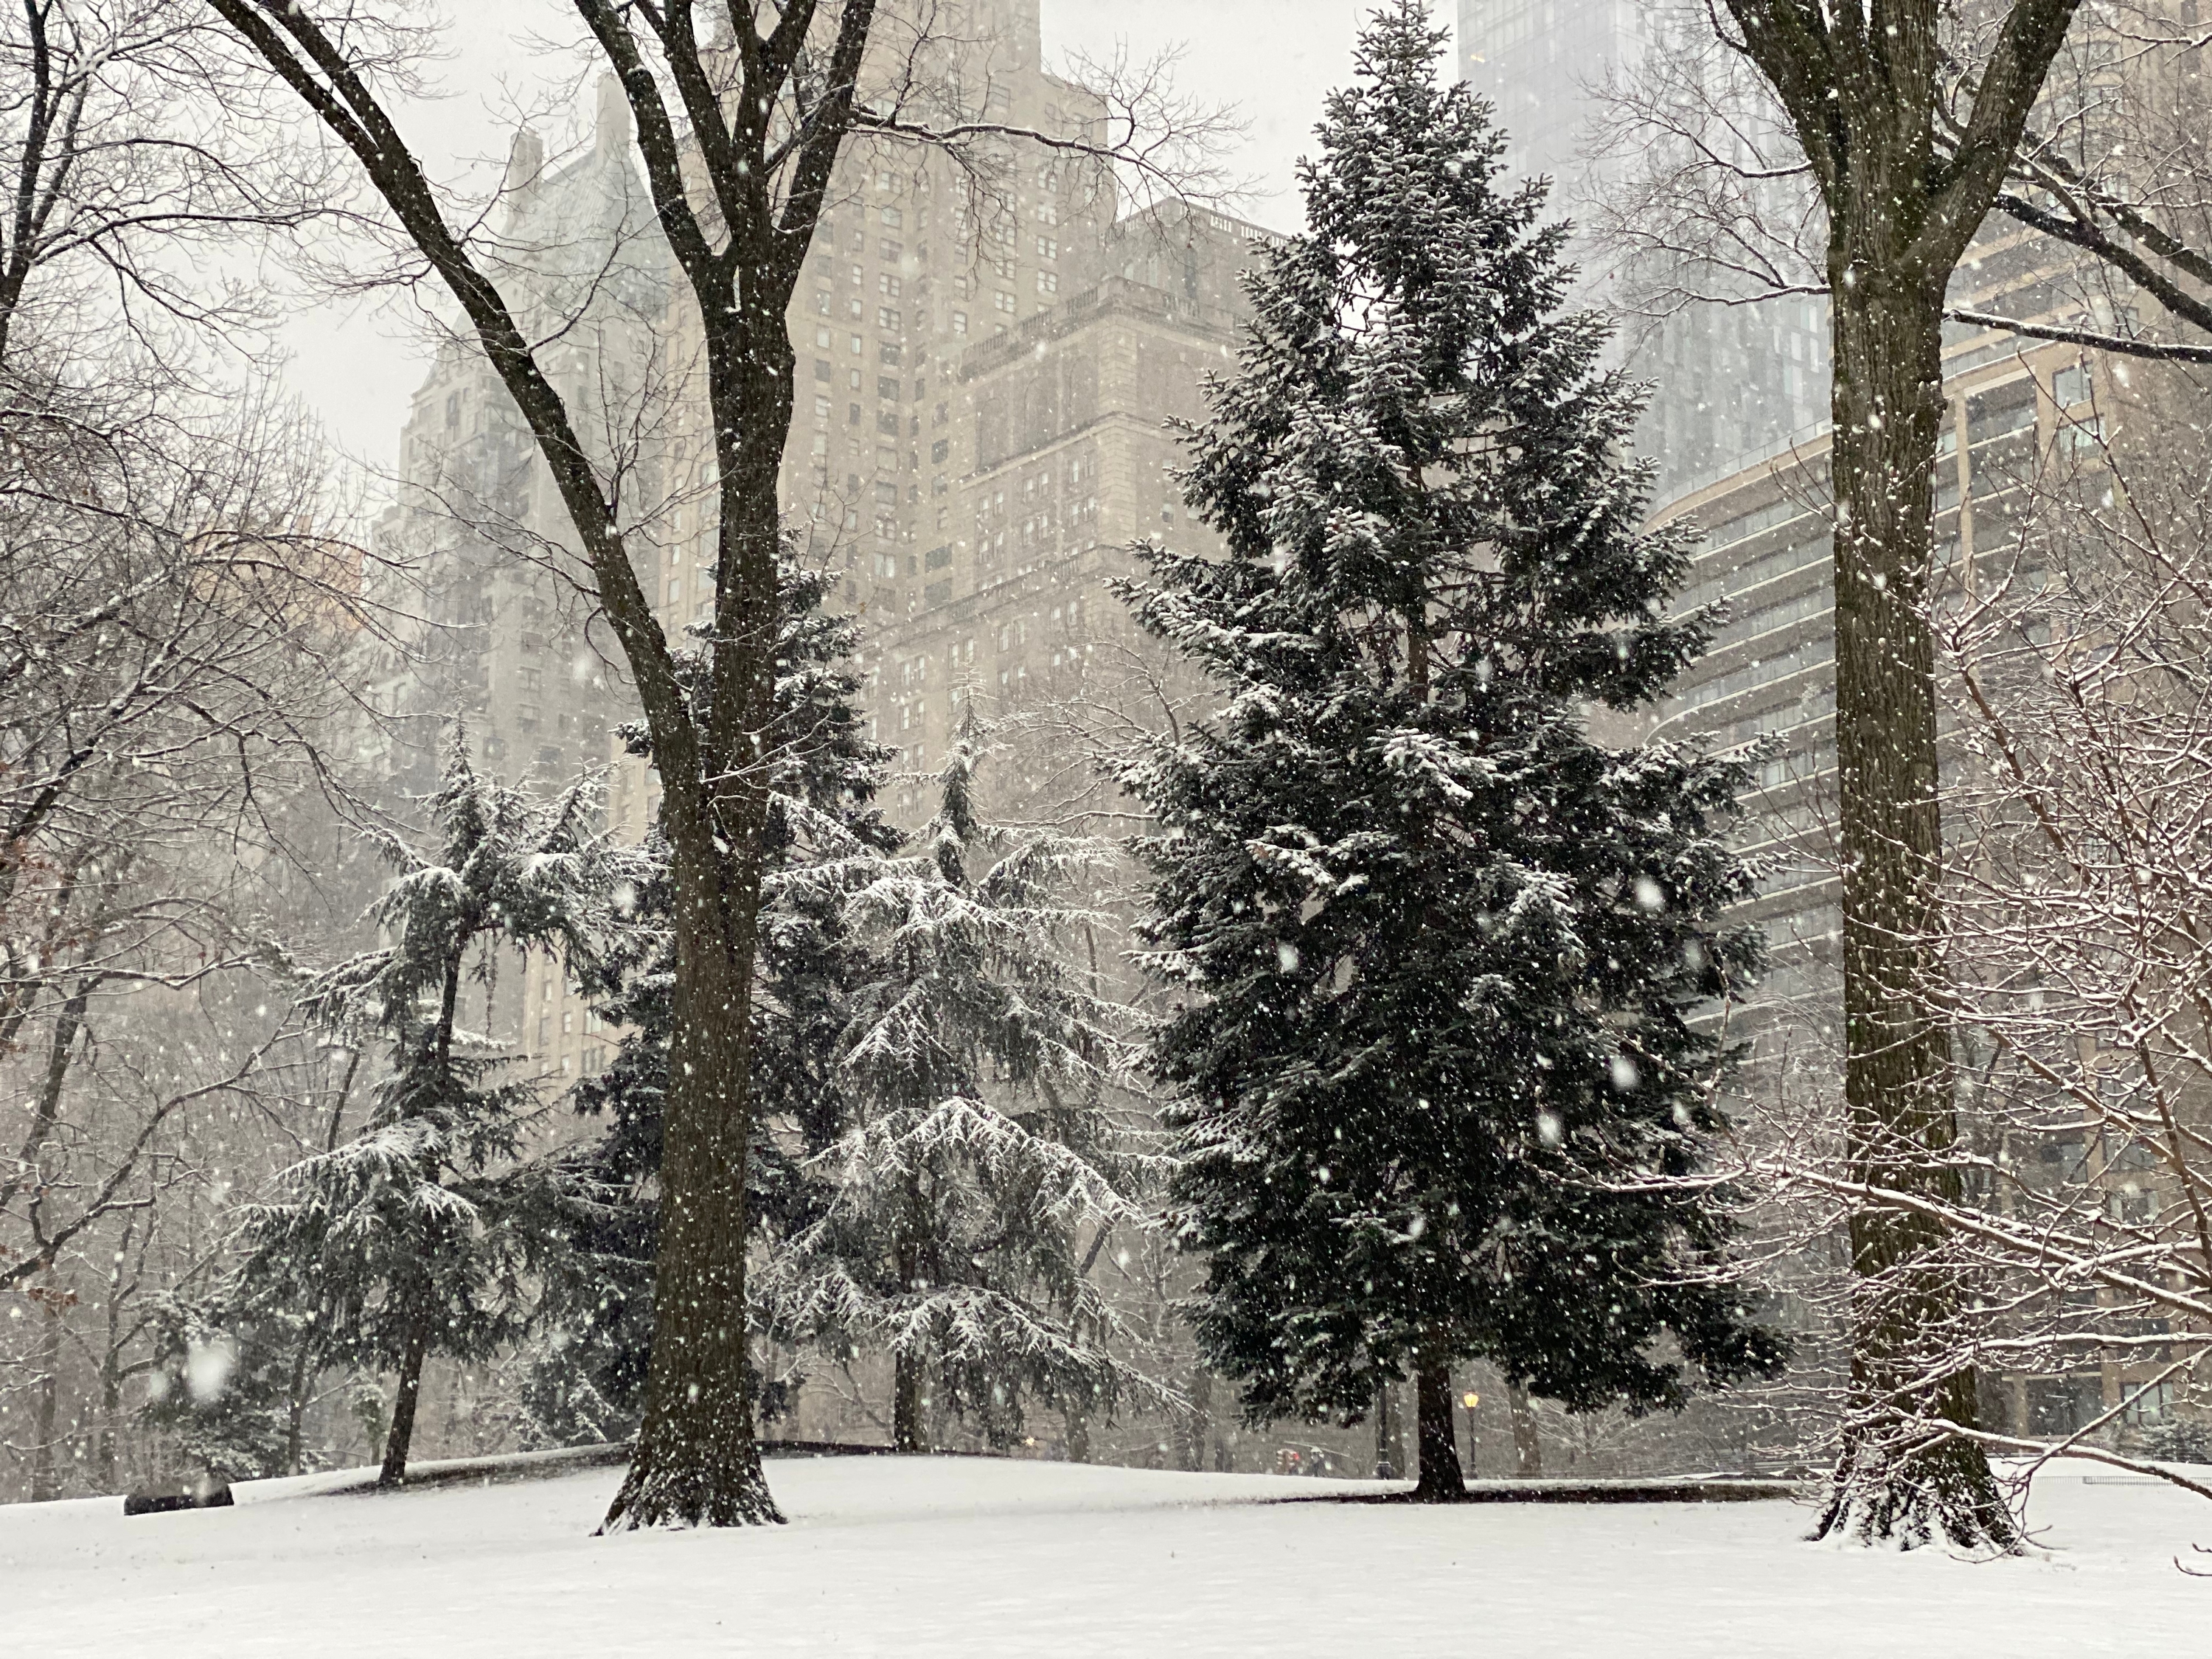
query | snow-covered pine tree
(219,1389)
(418,1235)
(588,1383)
(988,1163)
(1439,951)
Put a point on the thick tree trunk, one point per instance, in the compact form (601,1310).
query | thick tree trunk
(401,1433)
(1442,1480)
(1528,1449)
(1862,86)
(698,1458)
(1898,1477)
(909,1431)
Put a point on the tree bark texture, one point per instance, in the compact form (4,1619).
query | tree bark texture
(1863,89)
(401,1434)
(1894,1480)
(1442,1480)
(910,1433)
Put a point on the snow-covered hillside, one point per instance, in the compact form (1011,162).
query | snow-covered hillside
(936,1557)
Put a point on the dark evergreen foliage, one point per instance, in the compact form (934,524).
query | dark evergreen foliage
(1445,958)
(986,1162)
(423,1232)
(220,1389)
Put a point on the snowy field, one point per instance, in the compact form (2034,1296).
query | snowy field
(937,1557)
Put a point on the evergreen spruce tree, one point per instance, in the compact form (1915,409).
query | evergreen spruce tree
(587,1381)
(218,1389)
(987,1165)
(1439,950)
(420,1234)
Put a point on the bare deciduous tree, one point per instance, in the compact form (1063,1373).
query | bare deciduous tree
(741,111)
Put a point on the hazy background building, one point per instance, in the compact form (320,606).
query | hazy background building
(1732,384)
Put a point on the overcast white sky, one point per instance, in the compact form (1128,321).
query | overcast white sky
(1274,59)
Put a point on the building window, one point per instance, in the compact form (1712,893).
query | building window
(959,322)
(859,346)
(939,450)
(1047,282)
(891,218)
(822,364)
(822,343)
(1048,248)
(1003,301)
(888,354)
(886,317)
(888,286)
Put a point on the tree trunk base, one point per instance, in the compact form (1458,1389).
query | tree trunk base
(1906,1499)
(1451,1490)
(730,1494)
(1436,1449)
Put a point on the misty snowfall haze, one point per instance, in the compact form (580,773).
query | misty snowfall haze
(997,826)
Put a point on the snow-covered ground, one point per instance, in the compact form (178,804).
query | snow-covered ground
(935,1557)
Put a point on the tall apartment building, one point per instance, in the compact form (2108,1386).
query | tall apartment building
(1733,384)
(501,643)
(985,365)
(986,353)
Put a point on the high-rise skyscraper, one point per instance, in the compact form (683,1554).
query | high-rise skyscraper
(1732,383)
(987,350)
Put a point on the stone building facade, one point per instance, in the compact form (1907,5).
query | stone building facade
(988,349)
